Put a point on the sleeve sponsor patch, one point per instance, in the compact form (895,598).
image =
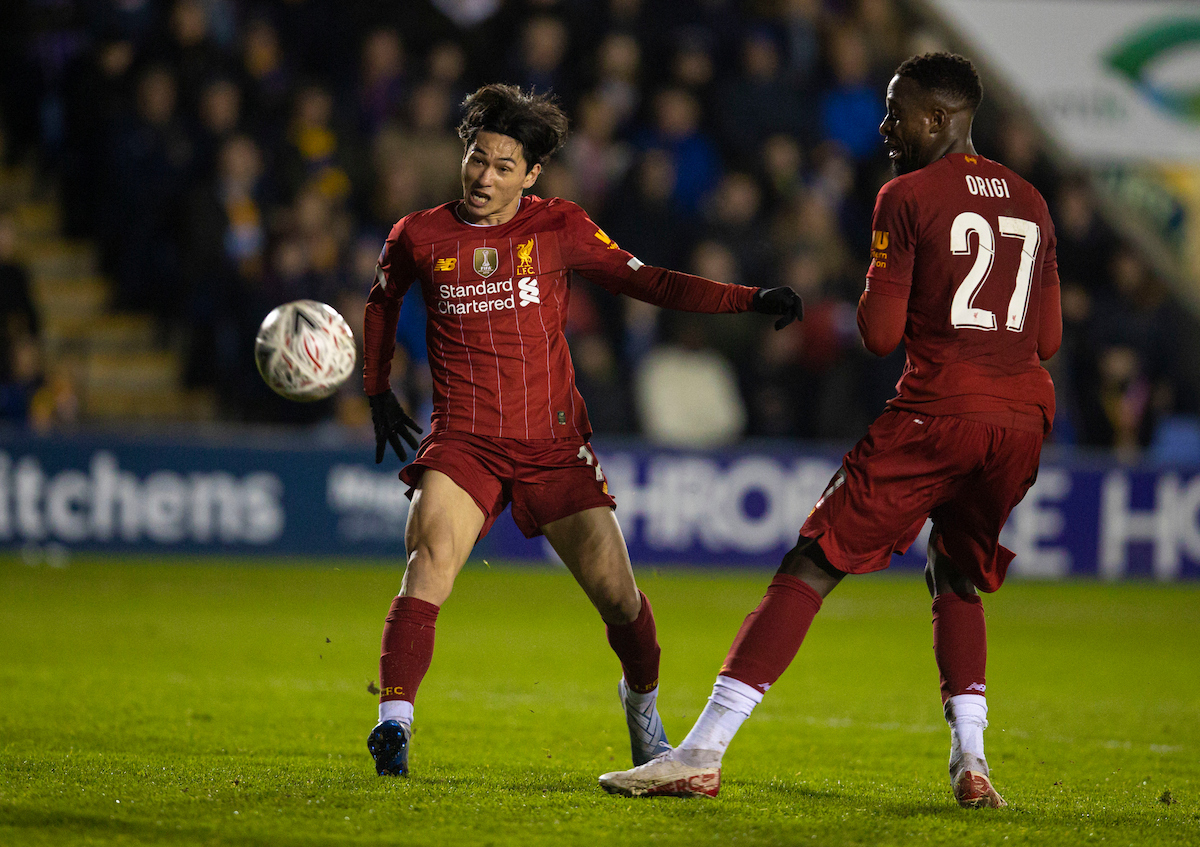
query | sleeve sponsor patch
(879,246)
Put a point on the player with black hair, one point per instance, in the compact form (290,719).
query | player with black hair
(534,122)
(508,424)
(962,270)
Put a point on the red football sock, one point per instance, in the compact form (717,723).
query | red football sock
(772,634)
(636,645)
(407,648)
(960,643)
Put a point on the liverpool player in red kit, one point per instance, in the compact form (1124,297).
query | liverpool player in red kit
(508,424)
(963,271)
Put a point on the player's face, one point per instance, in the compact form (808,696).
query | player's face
(494,174)
(905,127)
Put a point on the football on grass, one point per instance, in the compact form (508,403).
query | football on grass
(304,350)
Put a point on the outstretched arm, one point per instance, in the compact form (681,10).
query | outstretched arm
(677,290)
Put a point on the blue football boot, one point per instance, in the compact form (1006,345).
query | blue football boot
(388,743)
(647,738)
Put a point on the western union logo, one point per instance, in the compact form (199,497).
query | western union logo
(612,245)
(879,245)
(445,264)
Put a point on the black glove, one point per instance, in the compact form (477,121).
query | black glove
(779,301)
(391,422)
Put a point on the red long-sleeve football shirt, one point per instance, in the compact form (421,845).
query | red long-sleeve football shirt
(963,268)
(496,300)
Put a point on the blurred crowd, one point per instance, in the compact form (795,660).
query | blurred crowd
(231,155)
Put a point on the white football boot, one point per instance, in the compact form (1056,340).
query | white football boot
(970,779)
(647,738)
(663,776)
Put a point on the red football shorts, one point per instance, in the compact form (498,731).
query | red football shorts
(965,475)
(544,479)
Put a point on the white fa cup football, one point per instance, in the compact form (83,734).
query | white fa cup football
(304,350)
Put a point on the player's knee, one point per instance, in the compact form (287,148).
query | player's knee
(941,575)
(432,560)
(807,561)
(618,607)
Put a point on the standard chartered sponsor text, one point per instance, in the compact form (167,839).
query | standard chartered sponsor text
(448,294)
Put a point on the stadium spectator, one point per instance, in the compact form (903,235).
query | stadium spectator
(540,62)
(97,86)
(220,113)
(884,32)
(800,22)
(848,107)
(149,169)
(509,424)
(267,80)
(781,164)
(676,131)
(20,353)
(446,65)
(224,252)
(191,51)
(758,102)
(619,63)
(734,217)
(960,443)
(423,147)
(687,393)
(644,216)
(595,155)
(317,151)
(803,378)
(382,85)
(693,66)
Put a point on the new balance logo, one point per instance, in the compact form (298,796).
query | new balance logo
(977,686)
(529,292)
(445,264)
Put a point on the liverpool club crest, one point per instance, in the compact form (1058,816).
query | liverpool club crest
(486,261)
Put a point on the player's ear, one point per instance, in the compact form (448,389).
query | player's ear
(531,177)
(938,119)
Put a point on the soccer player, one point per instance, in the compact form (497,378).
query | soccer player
(963,270)
(508,424)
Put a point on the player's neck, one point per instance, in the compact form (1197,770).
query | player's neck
(963,145)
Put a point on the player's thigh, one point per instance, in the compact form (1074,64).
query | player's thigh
(591,545)
(443,523)
(970,522)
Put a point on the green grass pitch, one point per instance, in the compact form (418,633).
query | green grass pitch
(202,702)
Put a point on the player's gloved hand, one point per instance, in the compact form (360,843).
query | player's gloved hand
(779,301)
(391,424)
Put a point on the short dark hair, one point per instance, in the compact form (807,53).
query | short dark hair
(947,74)
(534,121)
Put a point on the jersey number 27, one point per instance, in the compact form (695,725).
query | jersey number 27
(963,315)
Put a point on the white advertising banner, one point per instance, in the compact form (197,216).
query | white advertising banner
(1111,80)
